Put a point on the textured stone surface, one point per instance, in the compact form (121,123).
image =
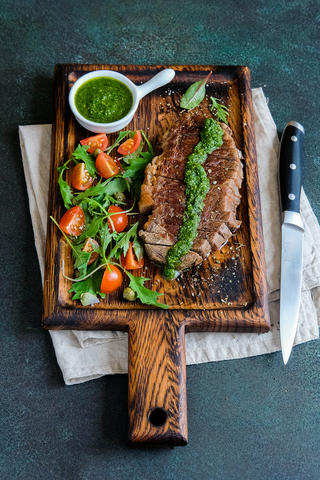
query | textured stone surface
(248,419)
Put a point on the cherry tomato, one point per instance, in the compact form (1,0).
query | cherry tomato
(119,220)
(97,141)
(130,261)
(88,248)
(81,179)
(130,145)
(111,280)
(73,221)
(106,166)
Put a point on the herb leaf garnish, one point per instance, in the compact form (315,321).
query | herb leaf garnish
(195,94)
(221,111)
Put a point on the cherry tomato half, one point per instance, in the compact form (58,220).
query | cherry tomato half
(81,179)
(130,261)
(73,221)
(130,145)
(111,280)
(88,247)
(106,166)
(97,141)
(119,220)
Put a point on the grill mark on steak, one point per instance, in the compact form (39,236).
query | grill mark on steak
(163,193)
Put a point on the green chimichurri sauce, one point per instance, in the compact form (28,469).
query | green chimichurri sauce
(103,100)
(197,187)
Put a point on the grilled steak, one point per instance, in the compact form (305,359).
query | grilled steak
(163,193)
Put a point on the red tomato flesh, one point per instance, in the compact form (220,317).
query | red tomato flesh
(81,179)
(97,141)
(73,221)
(130,145)
(111,280)
(119,219)
(88,247)
(130,261)
(106,166)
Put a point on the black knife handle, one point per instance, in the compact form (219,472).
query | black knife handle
(291,167)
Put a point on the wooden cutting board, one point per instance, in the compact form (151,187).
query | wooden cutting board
(228,293)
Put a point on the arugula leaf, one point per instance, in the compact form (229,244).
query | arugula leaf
(118,184)
(93,191)
(90,285)
(146,296)
(82,259)
(81,153)
(150,147)
(91,229)
(132,156)
(105,239)
(123,244)
(117,142)
(65,189)
(134,188)
(194,95)
(138,249)
(137,167)
(221,111)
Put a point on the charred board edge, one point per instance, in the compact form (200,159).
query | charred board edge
(51,282)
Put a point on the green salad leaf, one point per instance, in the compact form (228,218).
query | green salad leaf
(122,246)
(121,136)
(81,260)
(137,166)
(150,147)
(132,156)
(89,285)
(118,184)
(81,153)
(149,297)
(65,189)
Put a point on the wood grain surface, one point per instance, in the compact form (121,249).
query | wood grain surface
(228,292)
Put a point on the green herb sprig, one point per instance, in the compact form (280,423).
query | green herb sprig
(221,110)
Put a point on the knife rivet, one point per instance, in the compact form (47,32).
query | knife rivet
(292,166)
(294,138)
(291,196)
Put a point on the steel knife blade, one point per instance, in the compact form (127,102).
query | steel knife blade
(292,232)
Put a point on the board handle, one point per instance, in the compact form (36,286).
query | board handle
(157,399)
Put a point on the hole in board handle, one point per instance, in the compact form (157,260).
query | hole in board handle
(157,417)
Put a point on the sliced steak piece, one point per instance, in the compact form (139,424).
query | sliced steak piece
(157,238)
(201,246)
(163,193)
(156,189)
(157,253)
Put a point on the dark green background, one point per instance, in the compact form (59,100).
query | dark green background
(248,419)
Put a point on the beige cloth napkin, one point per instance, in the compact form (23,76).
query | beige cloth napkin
(84,356)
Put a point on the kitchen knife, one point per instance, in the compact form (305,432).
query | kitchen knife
(292,232)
